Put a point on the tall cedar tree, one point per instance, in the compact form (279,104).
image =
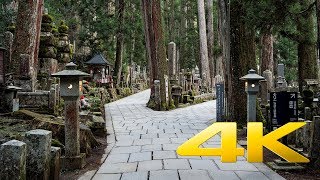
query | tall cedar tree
(242,59)
(155,44)
(120,40)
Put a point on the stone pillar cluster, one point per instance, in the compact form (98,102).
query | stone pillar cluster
(47,53)
(64,46)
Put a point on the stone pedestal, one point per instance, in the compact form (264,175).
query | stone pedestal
(13,160)
(73,159)
(72,129)
(55,165)
(38,156)
(75,162)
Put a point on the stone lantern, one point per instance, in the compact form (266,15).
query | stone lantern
(69,91)
(252,88)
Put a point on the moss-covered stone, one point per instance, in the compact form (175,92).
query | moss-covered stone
(48,52)
(57,143)
(46,27)
(48,40)
(63,28)
(11,28)
(46,18)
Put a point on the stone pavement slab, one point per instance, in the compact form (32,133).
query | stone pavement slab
(143,145)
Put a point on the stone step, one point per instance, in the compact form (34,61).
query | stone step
(275,166)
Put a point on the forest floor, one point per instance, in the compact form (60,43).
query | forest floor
(93,162)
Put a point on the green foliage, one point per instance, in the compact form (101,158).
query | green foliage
(126,92)
(287,51)
(171,105)
(11,28)
(7,16)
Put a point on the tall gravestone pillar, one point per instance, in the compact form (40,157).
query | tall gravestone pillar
(13,160)
(268,75)
(38,153)
(8,41)
(172,56)
(26,41)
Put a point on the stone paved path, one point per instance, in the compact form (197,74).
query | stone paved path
(143,144)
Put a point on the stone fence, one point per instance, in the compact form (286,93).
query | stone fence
(40,100)
(32,159)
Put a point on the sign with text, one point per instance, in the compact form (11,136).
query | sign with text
(220,102)
(283,108)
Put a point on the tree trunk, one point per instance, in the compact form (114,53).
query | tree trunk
(242,59)
(318,26)
(307,57)
(224,20)
(156,50)
(210,40)
(183,35)
(160,53)
(120,39)
(172,22)
(267,51)
(205,71)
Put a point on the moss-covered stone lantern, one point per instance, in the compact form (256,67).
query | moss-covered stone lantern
(69,91)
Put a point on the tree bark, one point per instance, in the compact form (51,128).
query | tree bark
(318,26)
(160,52)
(120,40)
(224,21)
(155,43)
(205,71)
(183,34)
(210,40)
(307,56)
(242,59)
(267,51)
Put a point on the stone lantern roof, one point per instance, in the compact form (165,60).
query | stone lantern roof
(252,76)
(70,71)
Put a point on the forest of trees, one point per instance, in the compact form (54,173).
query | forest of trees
(221,37)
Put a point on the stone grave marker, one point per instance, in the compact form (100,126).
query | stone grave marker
(172,59)
(13,155)
(220,101)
